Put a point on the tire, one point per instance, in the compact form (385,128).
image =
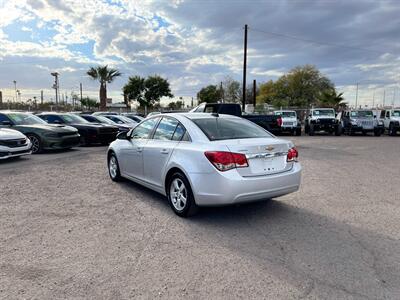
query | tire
(338,131)
(178,188)
(392,131)
(377,132)
(306,129)
(37,145)
(113,168)
(298,131)
(311,130)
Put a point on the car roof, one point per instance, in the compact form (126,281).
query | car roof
(199,115)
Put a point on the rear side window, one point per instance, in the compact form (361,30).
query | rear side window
(3,118)
(143,130)
(165,129)
(179,132)
(229,128)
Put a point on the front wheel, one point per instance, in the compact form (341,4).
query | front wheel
(377,132)
(392,131)
(36,143)
(180,196)
(311,130)
(298,131)
(338,131)
(113,168)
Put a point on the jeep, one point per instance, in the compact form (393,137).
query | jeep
(360,121)
(391,120)
(290,123)
(322,119)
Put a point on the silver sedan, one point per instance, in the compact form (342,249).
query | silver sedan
(198,159)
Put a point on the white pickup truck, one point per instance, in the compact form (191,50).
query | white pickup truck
(290,122)
(391,120)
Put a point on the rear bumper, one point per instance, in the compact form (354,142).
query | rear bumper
(224,188)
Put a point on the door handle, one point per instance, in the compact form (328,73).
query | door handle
(138,149)
(164,151)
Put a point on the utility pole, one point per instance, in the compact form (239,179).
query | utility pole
(357,95)
(221,93)
(384,96)
(80,88)
(192,102)
(15,88)
(244,68)
(254,93)
(41,97)
(373,99)
(394,96)
(56,86)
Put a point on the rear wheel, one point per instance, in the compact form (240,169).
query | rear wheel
(298,131)
(377,132)
(338,130)
(113,168)
(180,196)
(36,143)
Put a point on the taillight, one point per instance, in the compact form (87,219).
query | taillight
(292,154)
(280,121)
(225,161)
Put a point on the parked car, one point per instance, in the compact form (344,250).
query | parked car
(391,120)
(200,159)
(42,135)
(272,123)
(13,144)
(322,119)
(90,133)
(290,122)
(362,121)
(104,120)
(134,117)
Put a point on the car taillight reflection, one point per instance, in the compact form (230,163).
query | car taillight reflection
(225,161)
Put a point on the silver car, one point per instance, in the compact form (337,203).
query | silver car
(13,144)
(199,159)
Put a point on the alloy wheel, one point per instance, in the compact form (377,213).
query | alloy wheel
(179,194)
(35,143)
(113,167)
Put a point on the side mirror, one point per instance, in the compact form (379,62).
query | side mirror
(6,123)
(122,136)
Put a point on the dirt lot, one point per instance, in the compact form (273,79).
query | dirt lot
(68,231)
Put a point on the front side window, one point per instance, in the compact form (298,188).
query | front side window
(229,128)
(165,129)
(3,118)
(388,114)
(143,130)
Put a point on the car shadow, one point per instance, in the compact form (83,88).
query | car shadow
(313,252)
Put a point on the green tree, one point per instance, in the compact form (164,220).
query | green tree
(89,103)
(267,92)
(302,86)
(330,98)
(146,91)
(231,90)
(209,94)
(104,75)
(176,105)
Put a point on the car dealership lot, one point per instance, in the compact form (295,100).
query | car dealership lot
(68,231)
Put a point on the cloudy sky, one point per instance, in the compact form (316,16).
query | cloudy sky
(195,43)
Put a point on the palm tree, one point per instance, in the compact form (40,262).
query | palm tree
(332,99)
(104,75)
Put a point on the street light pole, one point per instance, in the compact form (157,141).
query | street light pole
(56,86)
(15,88)
(357,95)
(244,68)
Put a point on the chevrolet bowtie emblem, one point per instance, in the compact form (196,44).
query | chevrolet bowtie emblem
(269,148)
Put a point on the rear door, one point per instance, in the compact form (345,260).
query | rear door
(131,158)
(159,148)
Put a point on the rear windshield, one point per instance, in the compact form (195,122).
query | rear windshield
(229,128)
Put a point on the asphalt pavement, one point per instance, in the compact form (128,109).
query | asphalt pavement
(68,232)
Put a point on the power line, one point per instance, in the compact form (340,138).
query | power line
(313,41)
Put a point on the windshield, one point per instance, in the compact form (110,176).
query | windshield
(324,112)
(72,119)
(127,120)
(362,114)
(396,113)
(286,114)
(105,120)
(229,128)
(25,119)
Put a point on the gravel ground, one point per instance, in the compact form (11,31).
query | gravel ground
(68,231)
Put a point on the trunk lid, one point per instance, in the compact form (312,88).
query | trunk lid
(265,156)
